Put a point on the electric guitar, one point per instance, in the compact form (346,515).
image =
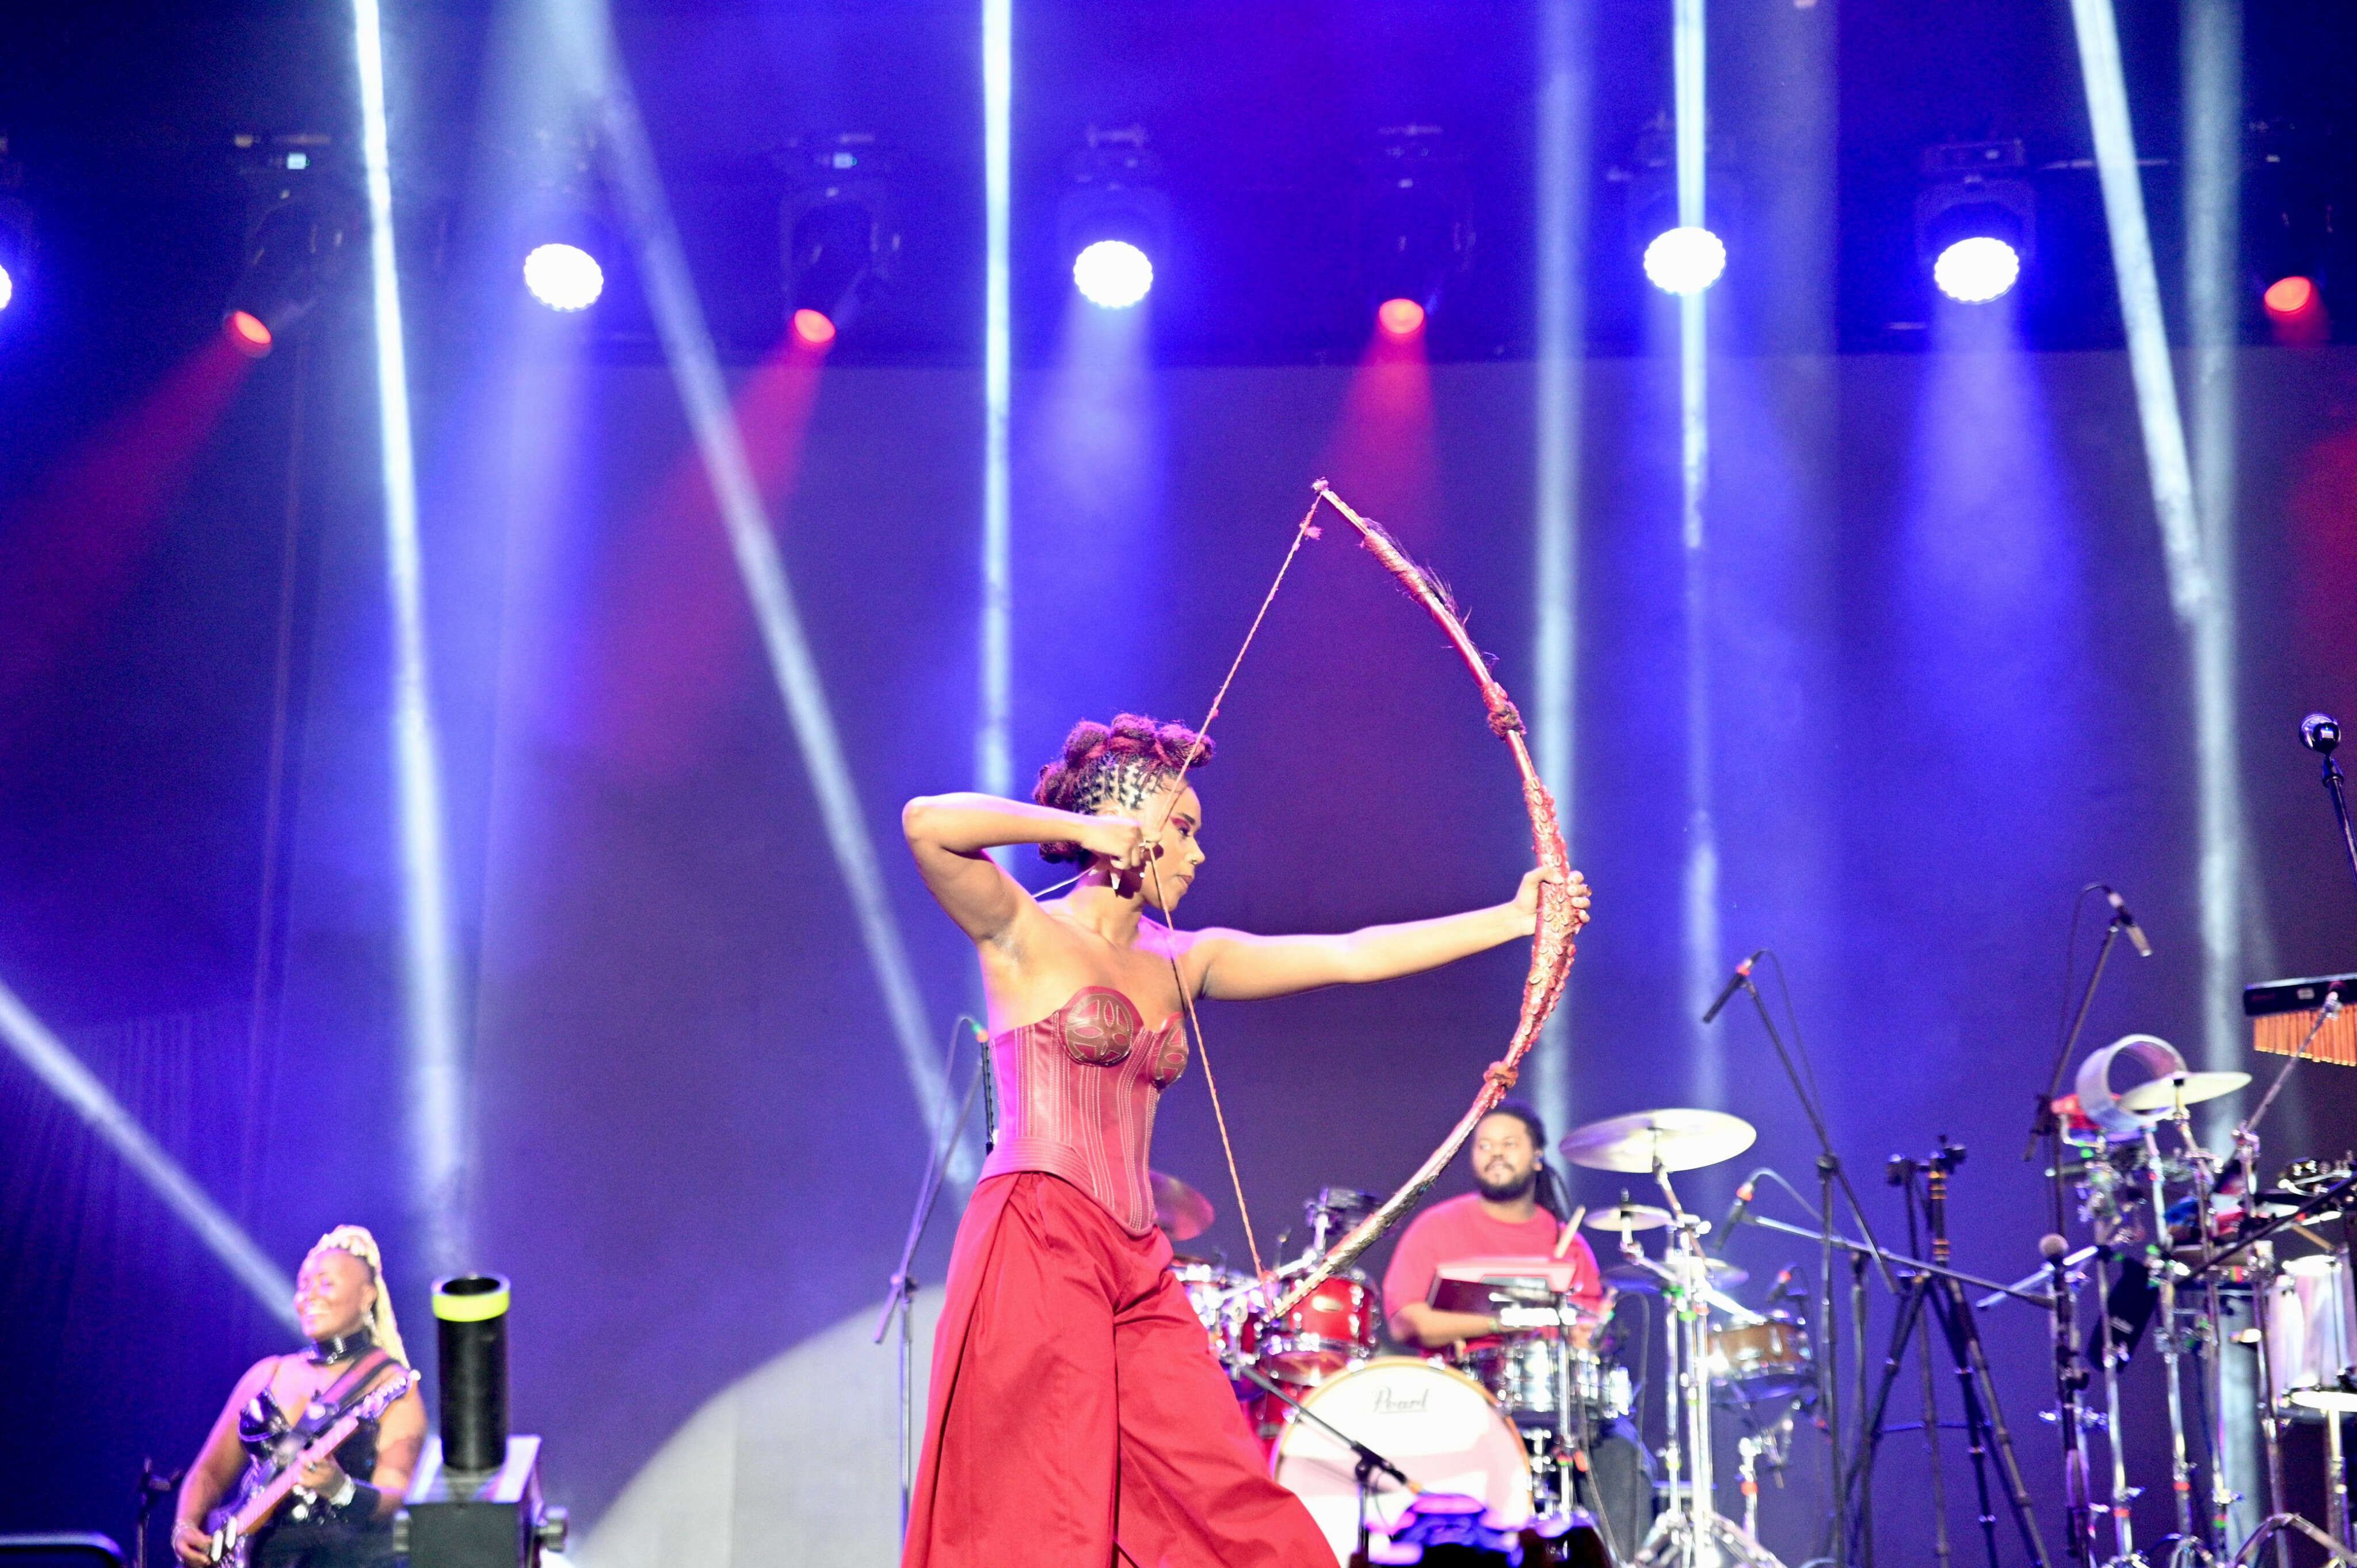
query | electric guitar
(264,1488)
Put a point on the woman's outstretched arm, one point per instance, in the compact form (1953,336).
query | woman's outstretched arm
(1239,966)
(952,835)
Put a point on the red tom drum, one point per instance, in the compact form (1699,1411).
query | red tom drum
(1331,1332)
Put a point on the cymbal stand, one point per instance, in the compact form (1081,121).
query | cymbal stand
(1690,1532)
(2069,1392)
(2103,1211)
(2192,1548)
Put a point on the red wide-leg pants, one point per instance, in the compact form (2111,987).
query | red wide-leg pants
(1077,1417)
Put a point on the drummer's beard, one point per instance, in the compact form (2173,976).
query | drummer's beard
(1514,1191)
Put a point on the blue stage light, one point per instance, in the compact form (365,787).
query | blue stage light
(1977,269)
(1685,260)
(564,277)
(1113,274)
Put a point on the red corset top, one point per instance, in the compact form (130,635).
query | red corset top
(1076,1097)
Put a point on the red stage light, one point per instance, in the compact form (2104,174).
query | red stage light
(814,328)
(2289,296)
(1400,317)
(248,332)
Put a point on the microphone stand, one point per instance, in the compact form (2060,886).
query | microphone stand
(902,1299)
(1829,1175)
(2045,1123)
(153,1483)
(2335,785)
(1370,1463)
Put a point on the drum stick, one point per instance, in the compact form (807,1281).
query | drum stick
(1570,1230)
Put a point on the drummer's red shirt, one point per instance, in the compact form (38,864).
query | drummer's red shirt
(1460,1228)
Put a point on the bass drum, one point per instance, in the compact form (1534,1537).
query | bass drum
(1433,1422)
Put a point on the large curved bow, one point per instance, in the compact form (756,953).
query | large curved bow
(1552,948)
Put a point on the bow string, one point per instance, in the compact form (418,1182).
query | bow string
(1552,948)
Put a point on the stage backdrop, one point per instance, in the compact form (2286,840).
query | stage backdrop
(1946,690)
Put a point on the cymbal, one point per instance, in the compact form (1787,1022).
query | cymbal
(1181,1211)
(1644,1282)
(2164,1094)
(1627,1216)
(1679,1140)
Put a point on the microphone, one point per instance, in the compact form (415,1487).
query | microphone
(2127,921)
(2319,733)
(2051,1247)
(1735,1212)
(1734,982)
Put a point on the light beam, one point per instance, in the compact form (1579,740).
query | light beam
(696,372)
(73,1084)
(1700,883)
(994,743)
(1562,205)
(435,1091)
(2212,57)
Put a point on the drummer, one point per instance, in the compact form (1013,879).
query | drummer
(1516,1210)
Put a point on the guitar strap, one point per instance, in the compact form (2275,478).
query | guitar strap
(329,1404)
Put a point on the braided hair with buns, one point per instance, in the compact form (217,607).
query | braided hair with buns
(1115,767)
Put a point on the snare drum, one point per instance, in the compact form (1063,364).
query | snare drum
(1333,1331)
(1526,1375)
(1768,1360)
(2312,1337)
(1435,1422)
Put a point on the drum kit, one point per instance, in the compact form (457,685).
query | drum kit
(1393,1452)
(2190,1243)
(1394,1449)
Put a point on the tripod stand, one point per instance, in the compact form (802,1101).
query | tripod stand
(1986,1437)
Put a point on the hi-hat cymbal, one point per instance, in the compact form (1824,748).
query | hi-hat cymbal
(2184,1088)
(1181,1211)
(1645,1281)
(1677,1140)
(1627,1216)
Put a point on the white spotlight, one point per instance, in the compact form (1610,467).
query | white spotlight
(1113,274)
(1685,260)
(564,277)
(7,288)
(1976,270)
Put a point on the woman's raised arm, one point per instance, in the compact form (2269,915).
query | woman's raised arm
(951,836)
(1238,966)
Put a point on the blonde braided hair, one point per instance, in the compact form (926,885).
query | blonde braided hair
(355,1241)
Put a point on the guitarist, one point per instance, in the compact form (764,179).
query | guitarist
(339,1514)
